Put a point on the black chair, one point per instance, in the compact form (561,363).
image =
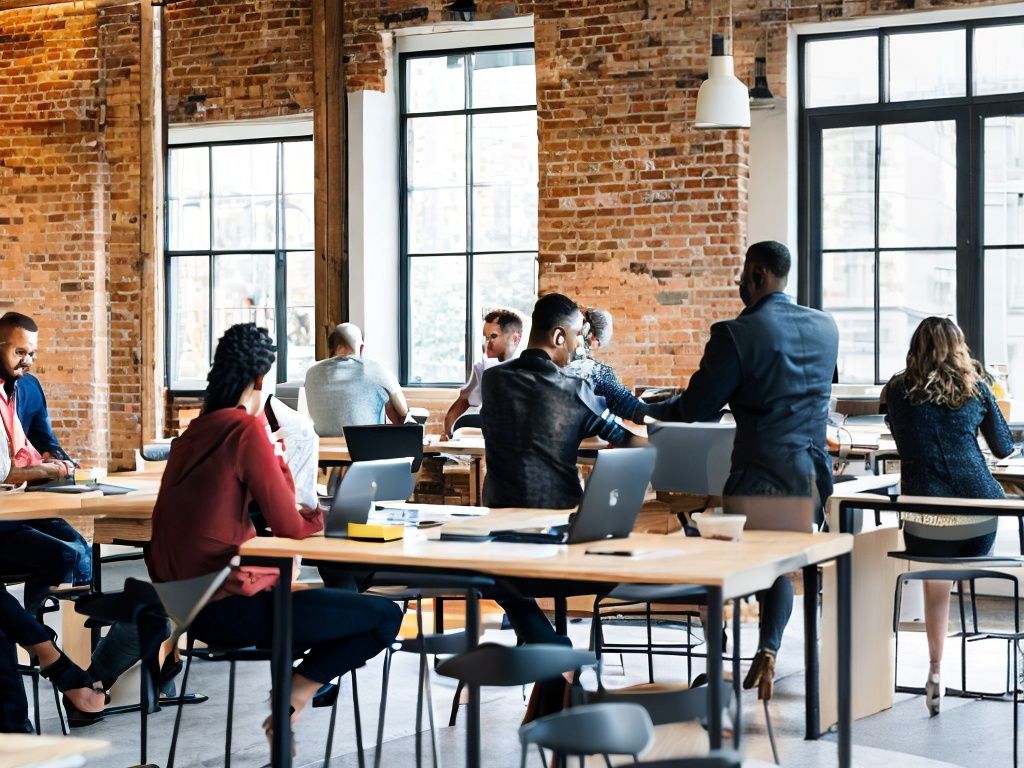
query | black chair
(491,664)
(969,574)
(51,604)
(591,729)
(474,420)
(719,758)
(438,643)
(693,459)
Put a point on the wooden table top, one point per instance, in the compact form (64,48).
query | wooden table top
(42,504)
(23,749)
(739,568)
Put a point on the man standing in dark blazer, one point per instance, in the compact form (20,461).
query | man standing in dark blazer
(773,365)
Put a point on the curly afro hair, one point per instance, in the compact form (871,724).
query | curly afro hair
(244,353)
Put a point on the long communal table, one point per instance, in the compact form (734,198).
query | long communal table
(727,569)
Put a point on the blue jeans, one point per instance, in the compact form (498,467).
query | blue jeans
(51,551)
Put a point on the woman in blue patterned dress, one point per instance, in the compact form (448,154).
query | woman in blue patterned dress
(936,408)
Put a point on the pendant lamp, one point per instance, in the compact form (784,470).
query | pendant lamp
(722,101)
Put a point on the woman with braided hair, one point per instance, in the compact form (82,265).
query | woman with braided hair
(223,463)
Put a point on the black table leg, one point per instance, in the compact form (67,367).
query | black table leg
(844,651)
(812,706)
(473,705)
(714,659)
(281,666)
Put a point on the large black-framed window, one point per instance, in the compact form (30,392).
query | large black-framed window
(912,188)
(239,248)
(468,202)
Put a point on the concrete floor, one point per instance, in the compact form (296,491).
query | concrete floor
(968,732)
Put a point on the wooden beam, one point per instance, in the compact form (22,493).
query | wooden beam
(331,176)
(151,172)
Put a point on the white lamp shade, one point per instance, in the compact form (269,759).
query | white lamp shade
(722,101)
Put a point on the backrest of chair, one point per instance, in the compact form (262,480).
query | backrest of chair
(369,442)
(184,599)
(593,729)
(692,458)
(664,703)
(468,420)
(495,664)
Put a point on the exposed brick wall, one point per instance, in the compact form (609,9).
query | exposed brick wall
(54,210)
(238,60)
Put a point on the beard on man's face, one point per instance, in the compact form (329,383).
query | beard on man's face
(745,294)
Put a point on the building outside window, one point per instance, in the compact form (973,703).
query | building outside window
(912,178)
(239,249)
(469,202)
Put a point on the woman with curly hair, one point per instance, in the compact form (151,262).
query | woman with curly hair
(935,409)
(222,465)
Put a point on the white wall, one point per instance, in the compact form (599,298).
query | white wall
(373,245)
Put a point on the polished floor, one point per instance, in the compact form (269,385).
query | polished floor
(968,732)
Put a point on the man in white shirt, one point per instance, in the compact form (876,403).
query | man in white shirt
(348,388)
(503,330)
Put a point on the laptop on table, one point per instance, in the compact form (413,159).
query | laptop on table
(362,483)
(610,505)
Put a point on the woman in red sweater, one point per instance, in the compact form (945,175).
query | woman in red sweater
(218,469)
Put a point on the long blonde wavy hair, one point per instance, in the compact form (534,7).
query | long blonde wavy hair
(940,369)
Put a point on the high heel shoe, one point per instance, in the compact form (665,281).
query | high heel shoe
(762,674)
(933,691)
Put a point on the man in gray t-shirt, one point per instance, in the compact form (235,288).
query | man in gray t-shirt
(349,389)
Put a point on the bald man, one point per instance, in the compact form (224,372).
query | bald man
(347,388)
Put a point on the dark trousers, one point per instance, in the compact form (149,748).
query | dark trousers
(51,551)
(341,630)
(17,627)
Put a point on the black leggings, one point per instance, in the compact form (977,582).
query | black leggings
(335,631)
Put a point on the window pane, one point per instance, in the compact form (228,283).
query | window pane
(912,286)
(301,302)
(437,319)
(436,84)
(1004,180)
(505,281)
(297,173)
(188,199)
(190,321)
(841,71)
(848,187)
(504,79)
(505,181)
(927,65)
(436,157)
(917,185)
(999,59)
(1004,314)
(848,293)
(244,189)
(244,291)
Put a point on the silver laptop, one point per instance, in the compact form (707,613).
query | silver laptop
(362,483)
(611,501)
